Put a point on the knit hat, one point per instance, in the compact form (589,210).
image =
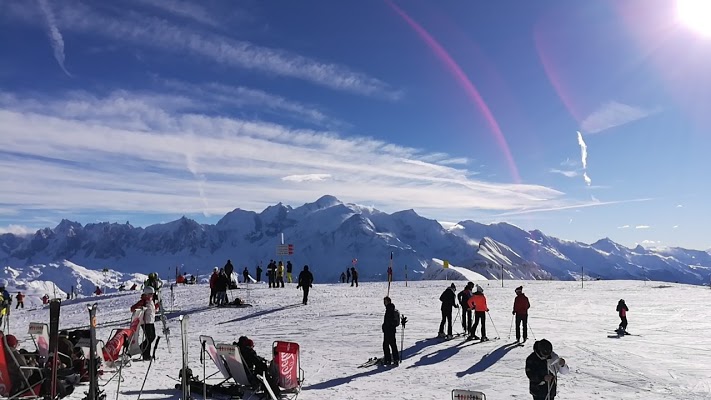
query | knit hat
(452,286)
(479,289)
(11,340)
(519,289)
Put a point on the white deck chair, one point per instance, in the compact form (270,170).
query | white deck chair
(39,333)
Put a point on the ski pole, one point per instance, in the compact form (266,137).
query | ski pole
(123,357)
(454,323)
(204,374)
(493,324)
(403,321)
(532,334)
(511,326)
(155,347)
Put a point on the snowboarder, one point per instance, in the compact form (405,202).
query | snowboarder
(306,280)
(229,269)
(354,277)
(478,303)
(20,300)
(391,320)
(259,273)
(245,275)
(542,383)
(622,311)
(213,283)
(343,277)
(256,364)
(280,275)
(520,310)
(289,269)
(149,318)
(348,274)
(463,298)
(448,299)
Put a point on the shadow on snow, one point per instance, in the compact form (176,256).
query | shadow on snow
(346,379)
(260,313)
(442,354)
(487,360)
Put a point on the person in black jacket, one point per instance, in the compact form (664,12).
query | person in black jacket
(289,269)
(257,365)
(542,383)
(354,277)
(306,280)
(229,269)
(221,285)
(448,299)
(622,311)
(463,298)
(259,273)
(390,324)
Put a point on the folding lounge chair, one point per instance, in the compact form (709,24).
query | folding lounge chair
(30,391)
(235,364)
(224,387)
(458,394)
(287,362)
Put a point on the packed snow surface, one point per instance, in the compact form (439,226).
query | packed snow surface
(340,329)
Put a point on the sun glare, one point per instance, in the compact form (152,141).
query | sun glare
(695,14)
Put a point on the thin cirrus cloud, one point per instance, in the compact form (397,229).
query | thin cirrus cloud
(188,10)
(142,30)
(623,227)
(613,114)
(569,174)
(152,153)
(55,36)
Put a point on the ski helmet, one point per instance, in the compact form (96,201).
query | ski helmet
(544,348)
(148,290)
(214,269)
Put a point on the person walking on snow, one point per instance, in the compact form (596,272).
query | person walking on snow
(520,310)
(463,298)
(20,300)
(348,274)
(539,367)
(259,273)
(391,321)
(448,299)
(343,277)
(354,277)
(306,280)
(478,303)
(622,311)
(289,269)
(213,283)
(149,318)
(245,275)
(280,275)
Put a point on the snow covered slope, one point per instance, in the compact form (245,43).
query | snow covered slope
(436,272)
(340,329)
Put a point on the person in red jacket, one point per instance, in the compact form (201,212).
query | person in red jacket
(520,310)
(213,281)
(478,303)
(20,300)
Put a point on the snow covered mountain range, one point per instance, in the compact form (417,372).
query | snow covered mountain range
(329,234)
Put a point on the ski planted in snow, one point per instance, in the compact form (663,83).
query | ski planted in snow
(185,372)
(164,320)
(94,393)
(54,308)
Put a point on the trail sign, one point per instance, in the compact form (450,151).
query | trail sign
(285,249)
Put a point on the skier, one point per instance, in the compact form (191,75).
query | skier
(134,286)
(520,310)
(213,283)
(149,317)
(478,303)
(20,300)
(280,275)
(259,273)
(45,300)
(448,299)
(5,302)
(390,274)
(542,383)
(256,364)
(622,311)
(289,268)
(348,274)
(155,282)
(343,277)
(391,321)
(98,291)
(463,298)
(306,280)
(245,275)
(229,269)
(354,277)
(122,287)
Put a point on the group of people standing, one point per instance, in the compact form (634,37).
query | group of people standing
(351,275)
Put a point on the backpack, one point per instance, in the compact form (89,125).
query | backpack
(396,318)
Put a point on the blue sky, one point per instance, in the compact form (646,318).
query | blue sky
(148,110)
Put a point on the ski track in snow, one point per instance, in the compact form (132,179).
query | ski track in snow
(340,329)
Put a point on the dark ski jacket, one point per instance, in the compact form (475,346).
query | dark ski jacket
(464,297)
(306,279)
(289,267)
(354,273)
(229,269)
(536,370)
(255,363)
(389,324)
(622,309)
(222,283)
(521,305)
(448,300)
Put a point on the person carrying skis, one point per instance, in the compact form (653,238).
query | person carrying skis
(622,311)
(5,301)
(463,298)
(478,303)
(257,365)
(259,273)
(348,274)
(280,275)
(354,277)
(306,280)
(448,299)
(289,268)
(20,300)
(391,321)
(539,364)
(520,310)
(213,283)
(149,318)
(245,275)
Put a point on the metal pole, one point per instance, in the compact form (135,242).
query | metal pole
(582,277)
(405,275)
(502,275)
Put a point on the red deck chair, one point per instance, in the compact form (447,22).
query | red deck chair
(286,360)
(32,392)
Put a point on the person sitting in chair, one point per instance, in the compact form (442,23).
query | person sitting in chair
(256,364)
